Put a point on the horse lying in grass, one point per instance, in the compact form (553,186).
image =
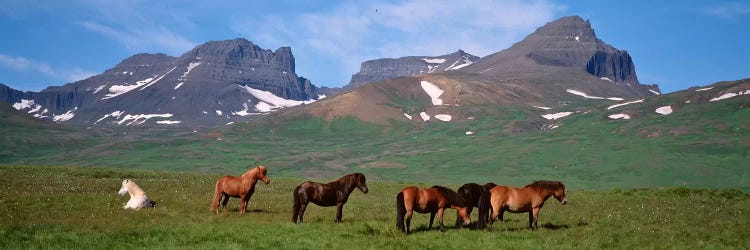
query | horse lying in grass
(241,187)
(334,193)
(470,194)
(138,198)
(432,200)
(529,199)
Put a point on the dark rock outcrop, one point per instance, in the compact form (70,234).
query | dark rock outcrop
(213,84)
(389,68)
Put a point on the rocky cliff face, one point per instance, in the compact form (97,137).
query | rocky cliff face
(213,84)
(566,43)
(389,68)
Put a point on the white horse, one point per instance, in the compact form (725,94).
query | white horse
(138,197)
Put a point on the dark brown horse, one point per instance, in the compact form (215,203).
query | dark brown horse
(238,187)
(529,199)
(432,200)
(334,193)
(470,194)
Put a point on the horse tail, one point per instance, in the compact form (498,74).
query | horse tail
(484,207)
(296,206)
(217,196)
(400,211)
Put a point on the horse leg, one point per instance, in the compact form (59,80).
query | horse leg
(432,218)
(531,220)
(440,219)
(302,208)
(224,203)
(339,207)
(535,212)
(243,204)
(409,213)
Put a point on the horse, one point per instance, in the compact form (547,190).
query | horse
(470,194)
(432,200)
(138,198)
(334,193)
(241,187)
(529,199)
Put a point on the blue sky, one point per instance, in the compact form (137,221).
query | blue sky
(676,44)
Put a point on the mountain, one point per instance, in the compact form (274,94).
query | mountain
(389,68)
(213,84)
(559,66)
(566,43)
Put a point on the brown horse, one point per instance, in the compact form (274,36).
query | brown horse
(470,194)
(432,200)
(522,200)
(238,187)
(334,193)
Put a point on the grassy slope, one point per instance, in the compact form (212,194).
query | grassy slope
(78,207)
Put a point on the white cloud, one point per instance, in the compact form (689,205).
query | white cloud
(22,64)
(358,31)
(729,10)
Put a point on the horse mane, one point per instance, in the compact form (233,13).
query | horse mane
(342,178)
(447,193)
(251,171)
(546,184)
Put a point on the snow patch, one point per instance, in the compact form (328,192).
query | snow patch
(433,91)
(189,68)
(167,122)
(556,116)
(230,123)
(407,116)
(687,101)
(606,79)
(434,61)
(116,90)
(467,63)
(244,112)
(64,117)
(135,118)
(24,104)
(218,112)
(99,88)
(179,84)
(619,116)
(623,104)
(114,114)
(664,110)
(703,89)
(443,117)
(321,97)
(578,39)
(653,91)
(469,132)
(730,95)
(542,107)
(158,79)
(272,101)
(615,98)
(425,116)
(581,93)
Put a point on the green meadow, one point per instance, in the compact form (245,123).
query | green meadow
(78,208)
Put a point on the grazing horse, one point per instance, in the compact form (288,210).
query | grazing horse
(138,197)
(238,187)
(470,194)
(529,199)
(334,193)
(432,200)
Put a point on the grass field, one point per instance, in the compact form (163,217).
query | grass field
(77,207)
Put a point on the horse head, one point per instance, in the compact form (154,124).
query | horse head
(262,174)
(560,194)
(124,188)
(361,182)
